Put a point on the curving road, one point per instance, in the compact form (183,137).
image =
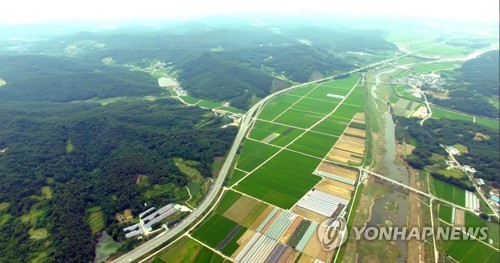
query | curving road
(245,124)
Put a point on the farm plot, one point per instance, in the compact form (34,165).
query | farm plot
(357,97)
(274,133)
(187,250)
(332,125)
(347,111)
(276,106)
(232,244)
(229,198)
(339,87)
(299,118)
(315,144)
(245,211)
(294,226)
(302,90)
(236,176)
(320,106)
(322,203)
(337,172)
(253,154)
(335,188)
(446,213)
(449,192)
(214,230)
(471,251)
(282,180)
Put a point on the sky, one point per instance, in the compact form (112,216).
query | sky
(39,11)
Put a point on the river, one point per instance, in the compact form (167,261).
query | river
(379,214)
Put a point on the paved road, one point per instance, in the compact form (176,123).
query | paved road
(246,122)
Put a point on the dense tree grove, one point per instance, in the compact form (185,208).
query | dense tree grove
(87,153)
(472,84)
(483,144)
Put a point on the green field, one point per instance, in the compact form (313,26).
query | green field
(276,106)
(315,144)
(237,175)
(299,118)
(263,129)
(449,192)
(347,111)
(332,125)
(438,113)
(95,219)
(337,87)
(190,100)
(283,180)
(322,107)
(434,67)
(229,198)
(471,251)
(445,212)
(187,250)
(232,245)
(209,104)
(357,97)
(253,154)
(214,230)
(302,90)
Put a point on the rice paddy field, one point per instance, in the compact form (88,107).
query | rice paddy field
(445,213)
(307,121)
(449,192)
(214,230)
(187,250)
(471,251)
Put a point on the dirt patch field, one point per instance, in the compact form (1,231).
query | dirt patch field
(359,117)
(342,156)
(315,250)
(337,170)
(271,137)
(289,256)
(261,218)
(305,259)
(336,188)
(351,144)
(308,214)
(459,217)
(355,132)
(241,208)
(291,229)
(244,239)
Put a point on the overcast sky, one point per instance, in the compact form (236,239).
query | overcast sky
(35,11)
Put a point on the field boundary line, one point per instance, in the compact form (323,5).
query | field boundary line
(319,121)
(295,127)
(279,115)
(213,250)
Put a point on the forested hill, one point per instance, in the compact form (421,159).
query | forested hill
(474,85)
(202,54)
(62,156)
(60,79)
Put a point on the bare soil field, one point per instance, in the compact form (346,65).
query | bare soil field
(337,170)
(459,217)
(359,117)
(315,250)
(240,209)
(271,137)
(305,259)
(342,156)
(261,218)
(351,144)
(308,214)
(355,132)
(336,188)
(289,256)
(291,229)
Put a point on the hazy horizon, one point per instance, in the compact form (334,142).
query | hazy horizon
(17,13)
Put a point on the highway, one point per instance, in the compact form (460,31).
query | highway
(246,123)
